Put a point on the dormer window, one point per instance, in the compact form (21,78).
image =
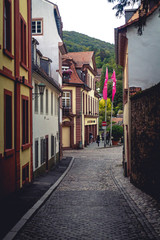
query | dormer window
(67,74)
(46,65)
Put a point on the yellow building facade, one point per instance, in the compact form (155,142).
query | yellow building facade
(15,95)
(80,100)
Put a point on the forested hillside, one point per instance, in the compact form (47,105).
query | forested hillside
(104,56)
(104,52)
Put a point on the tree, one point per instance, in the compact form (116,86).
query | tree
(102,111)
(145,6)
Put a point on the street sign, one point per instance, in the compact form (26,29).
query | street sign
(104,124)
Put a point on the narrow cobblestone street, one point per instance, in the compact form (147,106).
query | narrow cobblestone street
(95,201)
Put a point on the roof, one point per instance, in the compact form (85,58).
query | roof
(81,58)
(120,36)
(42,73)
(74,78)
(136,20)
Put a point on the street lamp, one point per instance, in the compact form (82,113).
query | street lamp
(41,87)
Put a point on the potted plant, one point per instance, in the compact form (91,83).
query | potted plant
(117,133)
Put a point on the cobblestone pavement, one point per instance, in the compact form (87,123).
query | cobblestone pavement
(95,201)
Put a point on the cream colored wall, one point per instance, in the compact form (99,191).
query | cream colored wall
(91,64)
(126,106)
(23,9)
(26,154)
(8,85)
(24,73)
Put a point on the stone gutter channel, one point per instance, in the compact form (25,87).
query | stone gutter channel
(147,226)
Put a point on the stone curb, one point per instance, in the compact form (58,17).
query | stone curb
(13,232)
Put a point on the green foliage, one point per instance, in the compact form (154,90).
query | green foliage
(104,52)
(117,132)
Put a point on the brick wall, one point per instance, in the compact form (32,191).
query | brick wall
(145,140)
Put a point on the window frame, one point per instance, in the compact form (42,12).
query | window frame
(9,93)
(7,29)
(36,20)
(36,98)
(65,98)
(42,155)
(41,103)
(25,132)
(23,42)
(36,153)
(52,103)
(47,95)
(52,145)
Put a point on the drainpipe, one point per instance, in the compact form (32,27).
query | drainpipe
(59,126)
(81,116)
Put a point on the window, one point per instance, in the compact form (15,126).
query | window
(52,145)
(7,26)
(23,42)
(7,119)
(83,103)
(25,174)
(66,100)
(56,105)
(25,126)
(52,103)
(36,153)
(41,103)
(46,101)
(91,106)
(36,99)
(37,26)
(43,150)
(86,104)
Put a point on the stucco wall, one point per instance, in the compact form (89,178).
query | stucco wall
(45,124)
(48,42)
(144,54)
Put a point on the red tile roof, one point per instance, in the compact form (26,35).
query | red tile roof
(74,78)
(81,58)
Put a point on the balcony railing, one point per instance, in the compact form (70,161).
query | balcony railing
(66,111)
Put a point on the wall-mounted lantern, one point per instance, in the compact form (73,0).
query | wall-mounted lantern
(41,87)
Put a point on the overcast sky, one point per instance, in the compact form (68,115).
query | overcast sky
(94,18)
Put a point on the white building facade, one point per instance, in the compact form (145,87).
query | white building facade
(139,56)
(47,114)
